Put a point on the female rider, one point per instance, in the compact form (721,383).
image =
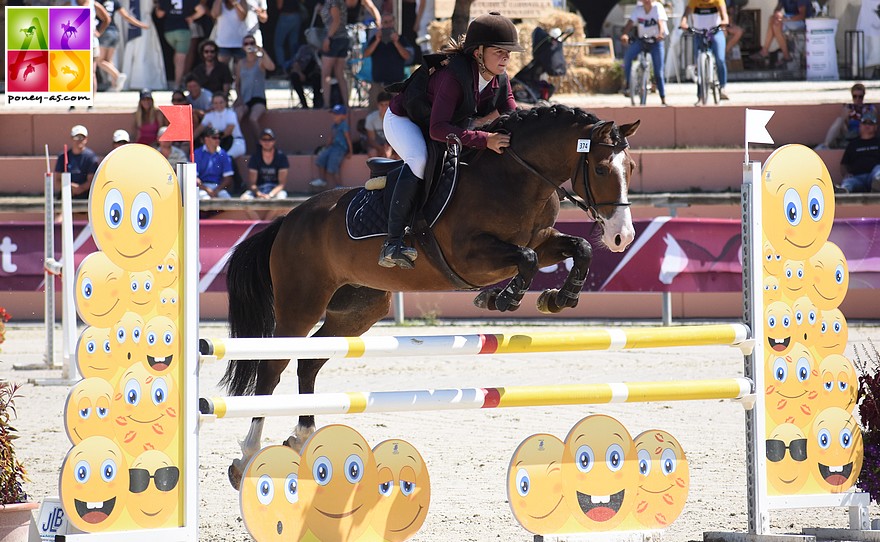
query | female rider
(469,88)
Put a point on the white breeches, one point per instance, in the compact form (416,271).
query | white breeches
(407,140)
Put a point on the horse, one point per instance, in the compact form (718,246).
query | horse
(498,225)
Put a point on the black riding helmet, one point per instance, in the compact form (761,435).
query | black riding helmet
(492,30)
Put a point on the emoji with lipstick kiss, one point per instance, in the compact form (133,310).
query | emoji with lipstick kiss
(664,479)
(404,490)
(787,466)
(600,474)
(143,295)
(87,410)
(94,355)
(93,485)
(134,207)
(830,277)
(835,450)
(269,495)
(833,334)
(798,201)
(338,483)
(792,386)
(840,384)
(101,290)
(161,340)
(534,484)
(153,490)
(145,410)
(779,327)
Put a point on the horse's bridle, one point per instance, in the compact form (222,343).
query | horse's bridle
(591,205)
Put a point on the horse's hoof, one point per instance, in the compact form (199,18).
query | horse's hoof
(234,472)
(543,302)
(294,443)
(486,299)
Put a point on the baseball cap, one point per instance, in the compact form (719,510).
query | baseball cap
(869,116)
(120,136)
(338,109)
(211,131)
(79,130)
(268,132)
(146,93)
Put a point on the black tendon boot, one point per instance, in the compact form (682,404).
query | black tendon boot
(394,252)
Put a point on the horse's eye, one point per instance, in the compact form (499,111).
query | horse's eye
(601,170)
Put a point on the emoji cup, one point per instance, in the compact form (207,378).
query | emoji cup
(269,495)
(835,450)
(154,490)
(798,200)
(664,479)
(338,483)
(600,474)
(101,290)
(404,490)
(787,466)
(87,410)
(534,484)
(134,207)
(93,485)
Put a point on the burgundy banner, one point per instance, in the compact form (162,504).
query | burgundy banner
(668,255)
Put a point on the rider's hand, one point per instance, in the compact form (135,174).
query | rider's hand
(624,38)
(683,25)
(497,142)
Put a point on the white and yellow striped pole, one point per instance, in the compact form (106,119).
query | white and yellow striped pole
(474,398)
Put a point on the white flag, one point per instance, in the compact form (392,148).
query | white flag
(756,126)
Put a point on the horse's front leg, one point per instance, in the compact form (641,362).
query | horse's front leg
(557,249)
(307,373)
(509,297)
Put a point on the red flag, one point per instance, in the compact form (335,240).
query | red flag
(180,127)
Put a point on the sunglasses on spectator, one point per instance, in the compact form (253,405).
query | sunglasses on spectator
(858,96)
(78,137)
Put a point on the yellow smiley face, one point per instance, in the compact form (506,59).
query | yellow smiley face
(772,293)
(779,322)
(87,410)
(168,305)
(835,451)
(94,355)
(404,490)
(162,343)
(166,271)
(806,320)
(840,384)
(833,333)
(101,290)
(145,411)
(830,277)
(93,484)
(338,482)
(154,490)
(127,340)
(534,484)
(664,479)
(787,466)
(794,280)
(772,261)
(600,473)
(792,386)
(798,200)
(269,495)
(143,291)
(134,207)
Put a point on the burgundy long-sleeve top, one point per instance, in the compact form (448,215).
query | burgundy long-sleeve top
(445,94)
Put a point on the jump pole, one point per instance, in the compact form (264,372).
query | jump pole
(262,406)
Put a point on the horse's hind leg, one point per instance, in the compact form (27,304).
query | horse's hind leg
(556,249)
(352,311)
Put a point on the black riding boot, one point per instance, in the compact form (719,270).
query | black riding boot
(394,252)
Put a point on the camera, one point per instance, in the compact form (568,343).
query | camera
(386,34)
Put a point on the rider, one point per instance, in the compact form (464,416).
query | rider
(472,89)
(708,14)
(650,17)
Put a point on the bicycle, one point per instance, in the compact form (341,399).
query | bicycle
(640,73)
(707,73)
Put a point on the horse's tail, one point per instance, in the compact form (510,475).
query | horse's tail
(251,304)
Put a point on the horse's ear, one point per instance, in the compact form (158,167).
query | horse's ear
(627,130)
(604,131)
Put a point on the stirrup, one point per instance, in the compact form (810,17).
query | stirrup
(397,254)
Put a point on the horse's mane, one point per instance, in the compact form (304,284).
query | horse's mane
(520,118)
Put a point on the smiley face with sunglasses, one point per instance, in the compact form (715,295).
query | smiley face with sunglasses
(787,466)
(153,490)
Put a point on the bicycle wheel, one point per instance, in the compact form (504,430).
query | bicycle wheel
(714,84)
(644,76)
(703,76)
(635,78)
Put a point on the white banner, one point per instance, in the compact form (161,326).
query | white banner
(821,49)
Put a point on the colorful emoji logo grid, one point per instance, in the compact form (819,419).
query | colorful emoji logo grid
(124,471)
(338,489)
(813,443)
(48,50)
(599,479)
